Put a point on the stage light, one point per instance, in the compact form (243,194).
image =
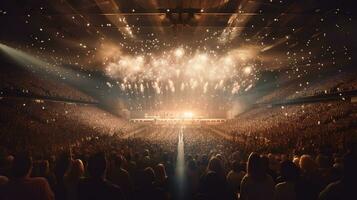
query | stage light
(247,70)
(188,115)
(179,52)
(228,60)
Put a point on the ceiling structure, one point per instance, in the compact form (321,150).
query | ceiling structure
(231,42)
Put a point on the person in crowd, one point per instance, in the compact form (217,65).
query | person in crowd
(235,176)
(296,160)
(208,177)
(324,167)
(43,170)
(161,182)
(346,187)
(22,186)
(120,176)
(310,177)
(167,162)
(72,179)
(256,184)
(96,186)
(61,167)
(4,169)
(5,164)
(287,190)
(267,165)
(213,183)
(146,159)
(202,164)
(146,187)
(193,177)
(132,167)
(161,179)
(3,180)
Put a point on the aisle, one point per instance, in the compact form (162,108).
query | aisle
(180,165)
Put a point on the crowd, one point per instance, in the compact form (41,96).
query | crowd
(30,84)
(334,85)
(295,128)
(288,88)
(52,150)
(99,166)
(51,125)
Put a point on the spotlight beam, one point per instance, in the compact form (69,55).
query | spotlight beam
(77,79)
(180,164)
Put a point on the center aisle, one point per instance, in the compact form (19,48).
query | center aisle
(180,165)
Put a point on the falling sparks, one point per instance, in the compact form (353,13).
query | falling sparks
(179,52)
(214,63)
(198,66)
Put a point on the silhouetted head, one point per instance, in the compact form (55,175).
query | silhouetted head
(21,166)
(146,152)
(62,164)
(236,166)
(289,171)
(77,169)
(97,165)
(255,166)
(307,164)
(148,176)
(215,165)
(296,160)
(350,167)
(265,162)
(44,168)
(322,161)
(118,160)
(192,165)
(160,172)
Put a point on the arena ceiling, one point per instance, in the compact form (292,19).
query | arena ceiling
(221,47)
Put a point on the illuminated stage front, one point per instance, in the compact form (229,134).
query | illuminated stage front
(185,117)
(184,121)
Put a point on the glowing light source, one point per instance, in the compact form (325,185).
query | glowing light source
(205,71)
(188,114)
(180,165)
(179,52)
(228,60)
(247,70)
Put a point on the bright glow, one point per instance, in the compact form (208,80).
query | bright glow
(199,62)
(243,54)
(126,65)
(180,164)
(201,66)
(188,115)
(167,72)
(228,61)
(247,70)
(179,52)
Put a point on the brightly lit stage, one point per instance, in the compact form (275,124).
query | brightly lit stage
(185,121)
(185,117)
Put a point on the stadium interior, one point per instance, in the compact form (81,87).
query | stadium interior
(175,95)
